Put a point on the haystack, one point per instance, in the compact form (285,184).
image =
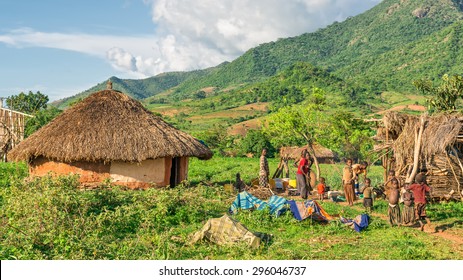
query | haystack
(110,135)
(290,154)
(440,150)
(324,155)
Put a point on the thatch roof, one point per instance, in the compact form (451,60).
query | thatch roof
(295,152)
(441,131)
(108,126)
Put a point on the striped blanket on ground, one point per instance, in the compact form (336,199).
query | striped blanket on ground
(309,208)
(246,201)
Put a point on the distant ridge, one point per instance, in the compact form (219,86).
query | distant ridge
(385,48)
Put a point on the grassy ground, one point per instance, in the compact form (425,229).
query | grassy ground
(52,219)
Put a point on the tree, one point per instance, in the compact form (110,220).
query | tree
(254,142)
(347,135)
(40,119)
(27,103)
(293,124)
(443,97)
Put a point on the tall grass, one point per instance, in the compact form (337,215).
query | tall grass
(50,218)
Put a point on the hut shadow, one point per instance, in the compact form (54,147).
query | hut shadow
(442,228)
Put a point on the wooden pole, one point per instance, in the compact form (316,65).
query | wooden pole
(416,154)
(386,156)
(461,167)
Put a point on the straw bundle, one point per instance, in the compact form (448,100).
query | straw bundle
(108,126)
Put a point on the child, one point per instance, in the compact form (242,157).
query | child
(388,184)
(367,191)
(419,190)
(409,208)
(321,188)
(394,209)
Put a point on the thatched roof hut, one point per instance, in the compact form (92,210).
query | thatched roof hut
(440,149)
(323,154)
(109,134)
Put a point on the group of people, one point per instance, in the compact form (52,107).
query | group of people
(413,195)
(304,187)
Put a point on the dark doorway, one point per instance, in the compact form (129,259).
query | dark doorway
(175,172)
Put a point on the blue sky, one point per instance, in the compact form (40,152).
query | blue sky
(64,47)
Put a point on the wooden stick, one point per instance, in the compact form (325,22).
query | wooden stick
(453,170)
(461,166)
(416,154)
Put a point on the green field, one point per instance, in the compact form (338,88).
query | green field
(52,219)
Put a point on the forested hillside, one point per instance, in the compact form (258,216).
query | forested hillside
(383,49)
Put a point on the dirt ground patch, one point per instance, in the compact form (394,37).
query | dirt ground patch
(243,127)
(412,107)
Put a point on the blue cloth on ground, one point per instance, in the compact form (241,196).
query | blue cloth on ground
(245,200)
(359,223)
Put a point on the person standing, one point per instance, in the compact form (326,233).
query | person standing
(419,190)
(301,175)
(321,188)
(264,170)
(359,168)
(367,191)
(408,215)
(393,210)
(348,182)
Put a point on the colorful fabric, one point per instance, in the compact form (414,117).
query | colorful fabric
(264,170)
(393,213)
(358,224)
(419,192)
(277,205)
(245,200)
(263,181)
(303,166)
(225,230)
(321,188)
(304,209)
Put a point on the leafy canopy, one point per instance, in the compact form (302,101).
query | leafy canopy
(27,103)
(443,97)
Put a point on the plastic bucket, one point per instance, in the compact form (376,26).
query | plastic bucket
(293,183)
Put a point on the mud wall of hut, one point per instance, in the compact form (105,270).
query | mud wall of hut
(146,174)
(89,172)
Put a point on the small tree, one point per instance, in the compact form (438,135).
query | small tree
(254,142)
(296,123)
(27,103)
(443,97)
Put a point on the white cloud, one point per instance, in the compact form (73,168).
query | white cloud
(197,34)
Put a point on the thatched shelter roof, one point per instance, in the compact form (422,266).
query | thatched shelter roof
(295,152)
(441,131)
(108,126)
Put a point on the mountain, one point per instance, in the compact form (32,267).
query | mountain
(142,88)
(389,27)
(383,49)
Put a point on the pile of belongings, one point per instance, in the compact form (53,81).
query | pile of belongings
(278,205)
(359,223)
(309,208)
(247,201)
(225,230)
